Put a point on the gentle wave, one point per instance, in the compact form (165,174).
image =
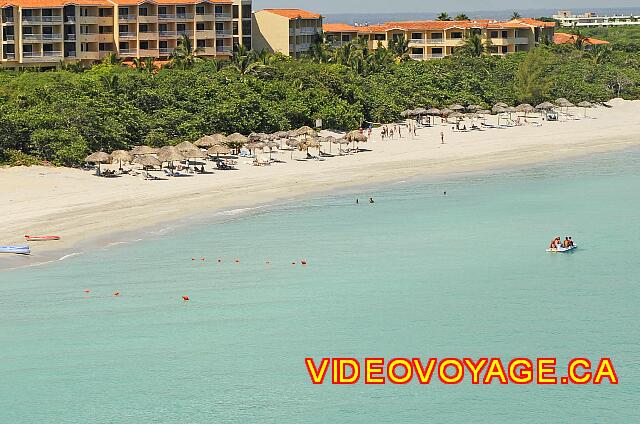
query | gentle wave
(70,255)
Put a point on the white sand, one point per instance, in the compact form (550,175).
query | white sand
(78,206)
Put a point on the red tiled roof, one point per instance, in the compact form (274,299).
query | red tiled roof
(339,28)
(562,38)
(294,13)
(444,25)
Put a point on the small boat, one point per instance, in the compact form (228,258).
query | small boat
(19,250)
(41,238)
(563,249)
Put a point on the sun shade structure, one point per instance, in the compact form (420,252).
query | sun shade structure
(148,161)
(143,150)
(545,106)
(185,146)
(237,138)
(456,107)
(205,142)
(99,158)
(170,154)
(121,155)
(562,102)
(306,131)
(218,150)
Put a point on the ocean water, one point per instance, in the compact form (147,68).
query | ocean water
(416,274)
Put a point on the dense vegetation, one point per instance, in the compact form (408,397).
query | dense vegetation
(622,38)
(60,116)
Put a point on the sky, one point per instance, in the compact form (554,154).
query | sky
(380,6)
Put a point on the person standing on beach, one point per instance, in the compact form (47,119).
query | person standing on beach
(442,137)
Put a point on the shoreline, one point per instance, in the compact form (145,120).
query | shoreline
(90,212)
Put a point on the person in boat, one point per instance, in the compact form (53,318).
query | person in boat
(571,242)
(566,243)
(554,243)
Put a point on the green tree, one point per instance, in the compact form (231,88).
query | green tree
(444,16)
(461,17)
(516,15)
(474,46)
(399,47)
(184,56)
(531,80)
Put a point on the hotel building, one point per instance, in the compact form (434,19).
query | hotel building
(438,39)
(288,31)
(45,33)
(590,19)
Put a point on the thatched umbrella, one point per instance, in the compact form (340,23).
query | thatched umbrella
(121,156)
(501,104)
(99,158)
(562,102)
(254,145)
(456,115)
(272,145)
(218,150)
(585,105)
(456,107)
(279,135)
(434,112)
(484,112)
(193,154)
(258,137)
(474,108)
(185,146)
(406,113)
(143,150)
(219,138)
(545,106)
(306,131)
(309,143)
(237,138)
(206,142)
(341,141)
(330,139)
(420,111)
(147,161)
(445,112)
(170,154)
(526,108)
(293,144)
(356,136)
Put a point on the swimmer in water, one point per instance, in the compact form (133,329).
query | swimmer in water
(371,200)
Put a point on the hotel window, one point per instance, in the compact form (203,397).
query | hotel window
(493,49)
(436,36)
(104,13)
(47,47)
(123,28)
(27,13)
(105,30)
(162,27)
(47,30)
(181,10)
(246,27)
(47,12)
(201,44)
(246,11)
(123,11)
(102,47)
(247,42)
(181,28)
(143,11)
(123,46)
(494,34)
(416,36)
(218,8)
(27,30)
(163,44)
(235,28)
(143,28)
(200,10)
(346,38)
(144,45)
(379,37)
(505,49)
(200,26)
(437,50)
(84,47)
(505,34)
(162,10)
(219,26)
(236,12)
(456,35)
(27,48)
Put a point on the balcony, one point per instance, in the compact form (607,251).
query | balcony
(168,34)
(8,20)
(147,18)
(92,55)
(435,55)
(454,41)
(52,19)
(31,37)
(186,32)
(509,41)
(89,37)
(224,49)
(52,37)
(167,17)
(148,53)
(70,37)
(127,35)
(435,40)
(10,56)
(206,33)
(419,56)
(70,54)
(184,16)
(147,35)
(127,18)
(9,38)
(49,56)
(206,51)
(70,19)
(128,52)
(307,31)
(96,20)
(165,51)
(416,41)
(205,17)
(223,33)
(223,16)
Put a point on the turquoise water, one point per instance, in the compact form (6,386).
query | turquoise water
(416,274)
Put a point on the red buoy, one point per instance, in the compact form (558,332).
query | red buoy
(185,298)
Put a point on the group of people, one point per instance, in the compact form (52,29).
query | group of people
(390,131)
(558,243)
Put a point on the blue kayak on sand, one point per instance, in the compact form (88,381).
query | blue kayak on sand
(20,250)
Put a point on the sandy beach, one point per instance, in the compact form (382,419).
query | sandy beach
(78,206)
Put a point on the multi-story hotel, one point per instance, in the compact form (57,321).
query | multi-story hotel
(288,31)
(437,39)
(590,19)
(44,33)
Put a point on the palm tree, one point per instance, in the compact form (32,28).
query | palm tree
(474,46)
(150,65)
(110,82)
(111,59)
(184,56)
(600,54)
(399,46)
(444,16)
(462,17)
(516,15)
(138,64)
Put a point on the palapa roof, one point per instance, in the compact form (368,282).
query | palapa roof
(98,157)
